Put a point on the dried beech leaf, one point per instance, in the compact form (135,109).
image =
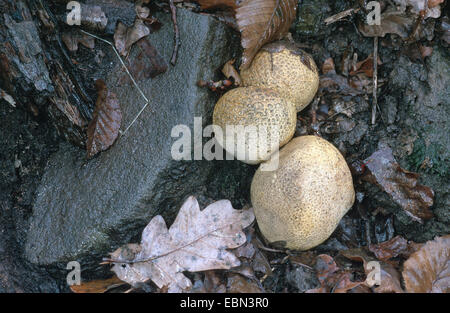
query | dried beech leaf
(390,278)
(331,277)
(400,184)
(428,270)
(125,37)
(391,23)
(148,63)
(97,286)
(213,4)
(230,72)
(104,127)
(239,284)
(261,22)
(390,249)
(196,241)
(72,38)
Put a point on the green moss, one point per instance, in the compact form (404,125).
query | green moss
(433,155)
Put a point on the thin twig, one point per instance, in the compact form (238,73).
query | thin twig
(375,79)
(339,16)
(129,75)
(173,10)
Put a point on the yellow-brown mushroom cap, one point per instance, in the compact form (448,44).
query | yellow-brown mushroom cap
(284,67)
(261,108)
(302,202)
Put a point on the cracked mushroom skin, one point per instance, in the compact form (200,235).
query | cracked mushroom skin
(284,67)
(261,108)
(301,203)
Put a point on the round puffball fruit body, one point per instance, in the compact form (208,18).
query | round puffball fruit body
(284,67)
(302,202)
(253,123)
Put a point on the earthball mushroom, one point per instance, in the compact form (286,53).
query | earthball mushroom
(284,67)
(254,122)
(301,202)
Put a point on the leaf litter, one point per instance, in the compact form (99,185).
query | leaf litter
(196,241)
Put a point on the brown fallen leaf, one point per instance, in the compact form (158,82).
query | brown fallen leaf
(391,23)
(97,286)
(230,72)
(331,277)
(196,241)
(125,37)
(328,66)
(428,270)
(104,127)
(74,37)
(261,22)
(389,249)
(400,184)
(389,277)
(148,63)
(214,4)
(365,66)
(239,284)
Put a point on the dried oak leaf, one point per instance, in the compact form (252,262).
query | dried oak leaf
(97,286)
(104,127)
(196,241)
(428,269)
(401,185)
(263,21)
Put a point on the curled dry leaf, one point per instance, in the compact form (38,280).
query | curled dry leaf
(391,23)
(390,249)
(97,286)
(148,63)
(239,284)
(213,4)
(400,184)
(125,37)
(331,277)
(196,241)
(428,269)
(230,72)
(261,22)
(389,277)
(365,66)
(72,38)
(104,127)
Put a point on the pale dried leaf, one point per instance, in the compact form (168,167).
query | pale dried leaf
(125,37)
(196,241)
(261,22)
(230,72)
(428,270)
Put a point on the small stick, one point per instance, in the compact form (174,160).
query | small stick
(375,79)
(339,16)
(173,10)
(129,75)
